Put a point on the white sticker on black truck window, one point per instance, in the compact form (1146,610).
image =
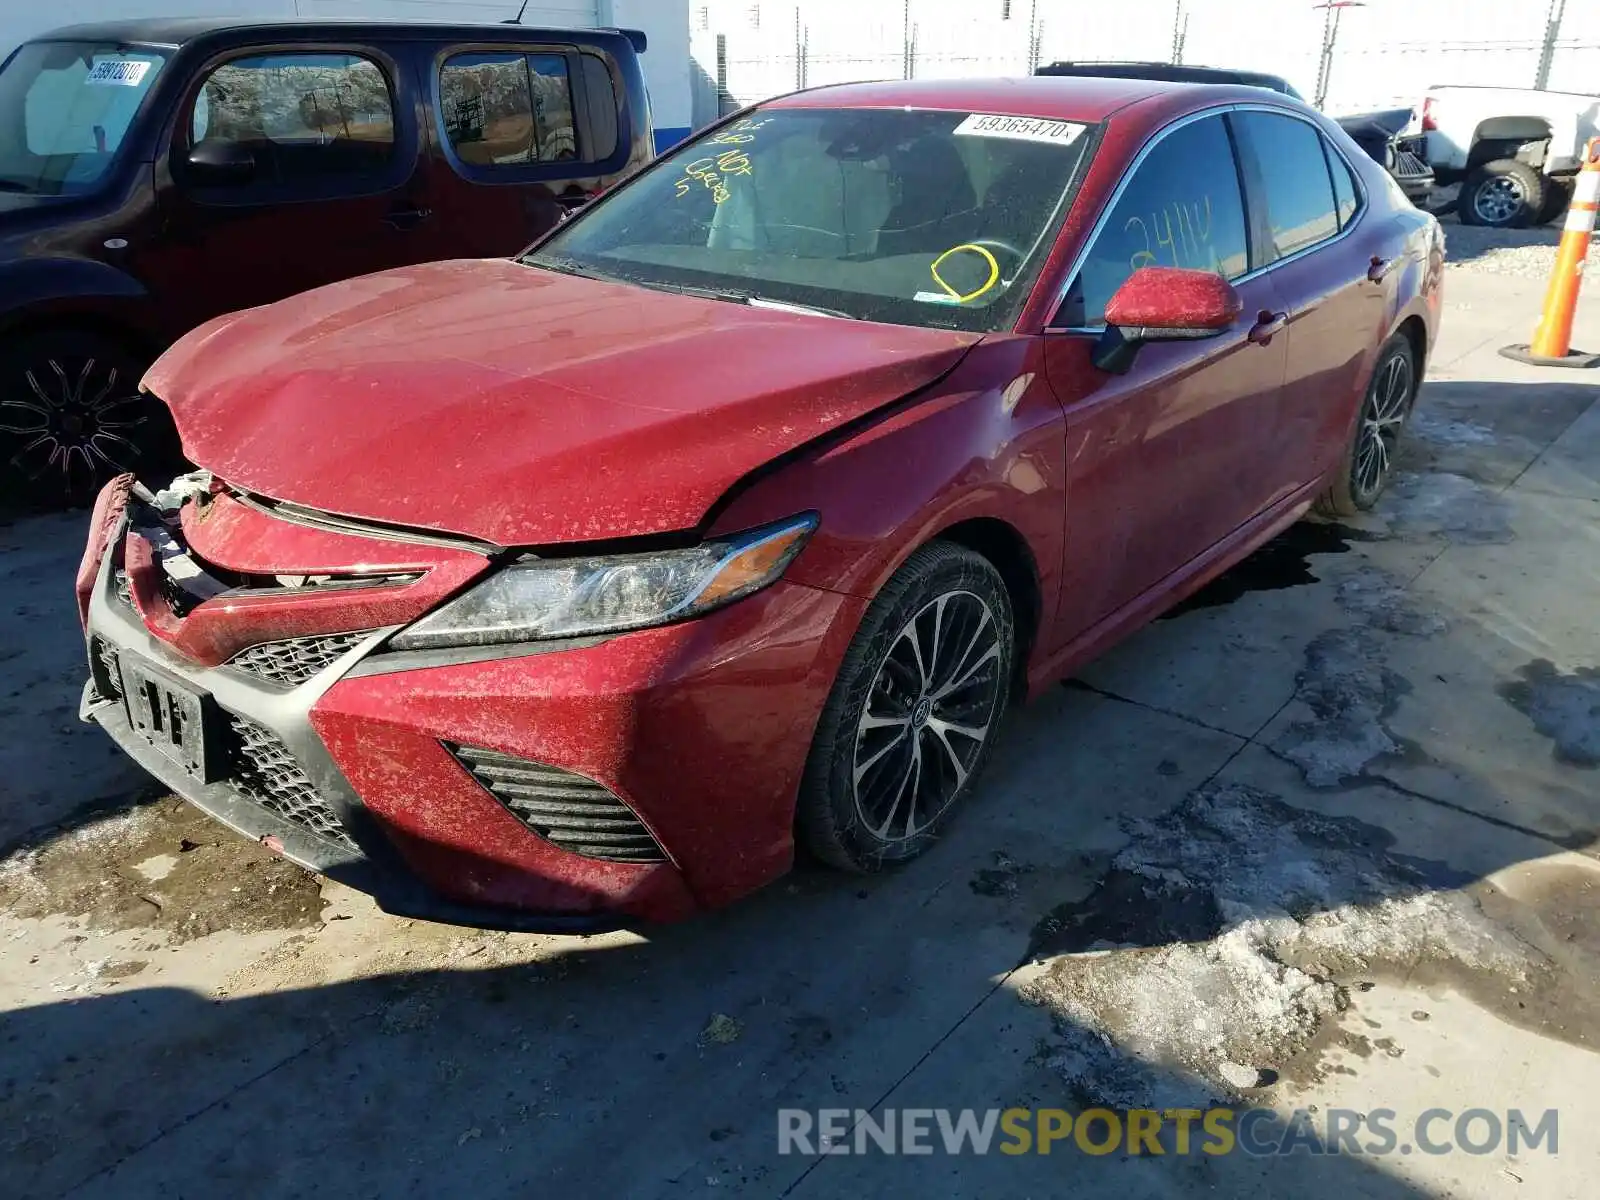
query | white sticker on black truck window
(1025,129)
(118,72)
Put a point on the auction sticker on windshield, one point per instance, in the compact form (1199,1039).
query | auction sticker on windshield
(1026,129)
(117,72)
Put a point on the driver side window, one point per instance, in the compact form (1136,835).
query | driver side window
(1182,208)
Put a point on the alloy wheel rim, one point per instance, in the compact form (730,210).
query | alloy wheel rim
(1381,419)
(1499,200)
(68,415)
(928,716)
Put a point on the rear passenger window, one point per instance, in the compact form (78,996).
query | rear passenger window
(1301,210)
(508,108)
(301,116)
(1182,208)
(1344,185)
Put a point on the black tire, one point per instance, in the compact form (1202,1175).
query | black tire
(1557,195)
(72,417)
(1365,469)
(1503,194)
(834,817)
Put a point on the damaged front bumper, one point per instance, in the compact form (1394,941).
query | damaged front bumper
(275,782)
(564,788)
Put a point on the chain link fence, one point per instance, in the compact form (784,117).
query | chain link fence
(1380,54)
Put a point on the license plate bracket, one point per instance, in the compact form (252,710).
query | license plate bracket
(176,720)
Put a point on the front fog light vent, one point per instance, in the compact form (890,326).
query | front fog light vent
(569,811)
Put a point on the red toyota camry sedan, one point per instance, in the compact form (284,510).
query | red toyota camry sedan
(580,588)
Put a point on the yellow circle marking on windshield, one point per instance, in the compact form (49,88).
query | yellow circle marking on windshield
(994,272)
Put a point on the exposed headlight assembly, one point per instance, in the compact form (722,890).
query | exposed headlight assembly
(574,597)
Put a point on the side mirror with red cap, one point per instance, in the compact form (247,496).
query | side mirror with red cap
(1164,304)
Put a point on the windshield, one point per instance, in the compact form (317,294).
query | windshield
(65,108)
(903,216)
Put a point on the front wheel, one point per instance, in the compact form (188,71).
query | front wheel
(913,714)
(1369,457)
(72,417)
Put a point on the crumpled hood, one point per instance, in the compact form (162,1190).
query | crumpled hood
(522,407)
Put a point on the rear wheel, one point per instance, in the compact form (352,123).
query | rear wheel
(1369,458)
(1504,194)
(72,416)
(913,714)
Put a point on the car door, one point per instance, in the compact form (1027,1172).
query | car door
(1166,460)
(1335,272)
(520,132)
(328,138)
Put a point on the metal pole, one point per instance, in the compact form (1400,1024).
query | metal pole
(1552,32)
(907,66)
(1330,23)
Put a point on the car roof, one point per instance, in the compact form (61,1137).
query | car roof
(178,31)
(1048,97)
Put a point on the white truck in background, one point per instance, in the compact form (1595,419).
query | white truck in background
(1515,151)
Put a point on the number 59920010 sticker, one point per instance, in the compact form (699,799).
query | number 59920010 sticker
(117,72)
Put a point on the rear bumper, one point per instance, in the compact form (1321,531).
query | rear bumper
(698,731)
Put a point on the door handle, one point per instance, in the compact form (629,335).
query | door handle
(407,218)
(1268,324)
(1379,268)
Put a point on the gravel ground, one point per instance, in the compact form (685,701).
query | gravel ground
(1525,253)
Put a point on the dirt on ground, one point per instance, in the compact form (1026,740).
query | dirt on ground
(163,866)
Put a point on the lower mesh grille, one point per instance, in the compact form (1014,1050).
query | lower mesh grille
(266,772)
(567,810)
(295,660)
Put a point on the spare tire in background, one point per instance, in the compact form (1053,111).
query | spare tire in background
(1503,194)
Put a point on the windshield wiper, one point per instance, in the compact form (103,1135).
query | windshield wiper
(737,296)
(562,266)
(794,306)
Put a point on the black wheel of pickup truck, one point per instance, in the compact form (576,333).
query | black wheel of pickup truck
(1503,194)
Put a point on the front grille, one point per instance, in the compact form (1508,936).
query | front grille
(1411,157)
(267,773)
(1408,165)
(295,660)
(566,810)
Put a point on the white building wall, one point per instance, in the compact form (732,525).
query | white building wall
(1388,52)
(665,22)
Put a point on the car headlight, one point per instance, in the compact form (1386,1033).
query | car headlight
(572,597)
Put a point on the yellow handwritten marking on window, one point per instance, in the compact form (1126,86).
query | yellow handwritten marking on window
(1183,230)
(967,247)
(713,171)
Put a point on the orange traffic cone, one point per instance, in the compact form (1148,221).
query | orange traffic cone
(1552,340)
